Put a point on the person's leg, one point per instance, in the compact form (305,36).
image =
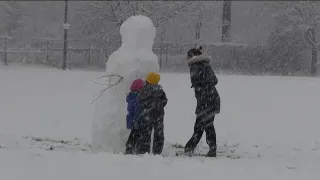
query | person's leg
(130,143)
(196,137)
(211,138)
(135,140)
(145,137)
(158,139)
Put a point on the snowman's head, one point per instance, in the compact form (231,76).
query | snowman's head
(138,32)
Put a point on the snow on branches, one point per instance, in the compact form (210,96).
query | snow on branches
(302,14)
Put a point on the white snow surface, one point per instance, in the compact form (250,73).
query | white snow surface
(133,60)
(268,129)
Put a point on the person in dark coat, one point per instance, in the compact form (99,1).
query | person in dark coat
(133,116)
(203,80)
(152,100)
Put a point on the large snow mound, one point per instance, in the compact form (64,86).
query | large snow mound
(134,59)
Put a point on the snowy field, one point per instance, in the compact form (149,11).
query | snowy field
(268,129)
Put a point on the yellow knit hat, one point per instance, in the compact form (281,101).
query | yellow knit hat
(153,78)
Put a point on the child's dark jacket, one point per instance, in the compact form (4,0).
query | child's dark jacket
(152,100)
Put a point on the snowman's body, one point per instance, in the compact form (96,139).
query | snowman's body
(133,60)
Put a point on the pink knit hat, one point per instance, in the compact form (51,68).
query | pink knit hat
(137,85)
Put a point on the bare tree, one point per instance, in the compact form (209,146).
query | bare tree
(102,19)
(196,18)
(226,21)
(304,15)
(13,20)
(25,20)
(195,22)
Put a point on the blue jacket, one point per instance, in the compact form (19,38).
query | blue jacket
(133,109)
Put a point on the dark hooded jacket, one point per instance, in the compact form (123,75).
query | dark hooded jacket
(204,80)
(152,100)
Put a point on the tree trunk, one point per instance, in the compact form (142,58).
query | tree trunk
(65,37)
(226,21)
(314,54)
(198,28)
(314,57)
(5,51)
(161,48)
(310,37)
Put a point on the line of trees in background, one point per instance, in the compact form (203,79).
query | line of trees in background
(297,29)
(292,46)
(100,20)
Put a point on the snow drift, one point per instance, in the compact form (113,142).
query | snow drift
(134,59)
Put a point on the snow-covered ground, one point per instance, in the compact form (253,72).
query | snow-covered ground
(268,129)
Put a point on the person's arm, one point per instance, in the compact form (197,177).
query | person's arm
(217,105)
(143,102)
(129,115)
(194,76)
(141,95)
(135,122)
(164,98)
(214,77)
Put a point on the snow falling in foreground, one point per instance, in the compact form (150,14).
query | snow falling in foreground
(268,129)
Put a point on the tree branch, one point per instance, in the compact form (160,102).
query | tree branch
(108,85)
(173,13)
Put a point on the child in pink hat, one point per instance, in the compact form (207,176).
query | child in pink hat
(133,115)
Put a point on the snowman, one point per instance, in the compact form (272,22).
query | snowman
(133,60)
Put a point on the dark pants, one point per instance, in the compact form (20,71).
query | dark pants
(147,124)
(131,145)
(203,123)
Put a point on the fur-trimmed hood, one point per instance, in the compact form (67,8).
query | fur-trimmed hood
(199,59)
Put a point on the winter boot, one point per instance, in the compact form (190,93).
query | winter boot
(212,152)
(129,149)
(188,151)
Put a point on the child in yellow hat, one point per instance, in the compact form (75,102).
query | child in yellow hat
(152,100)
